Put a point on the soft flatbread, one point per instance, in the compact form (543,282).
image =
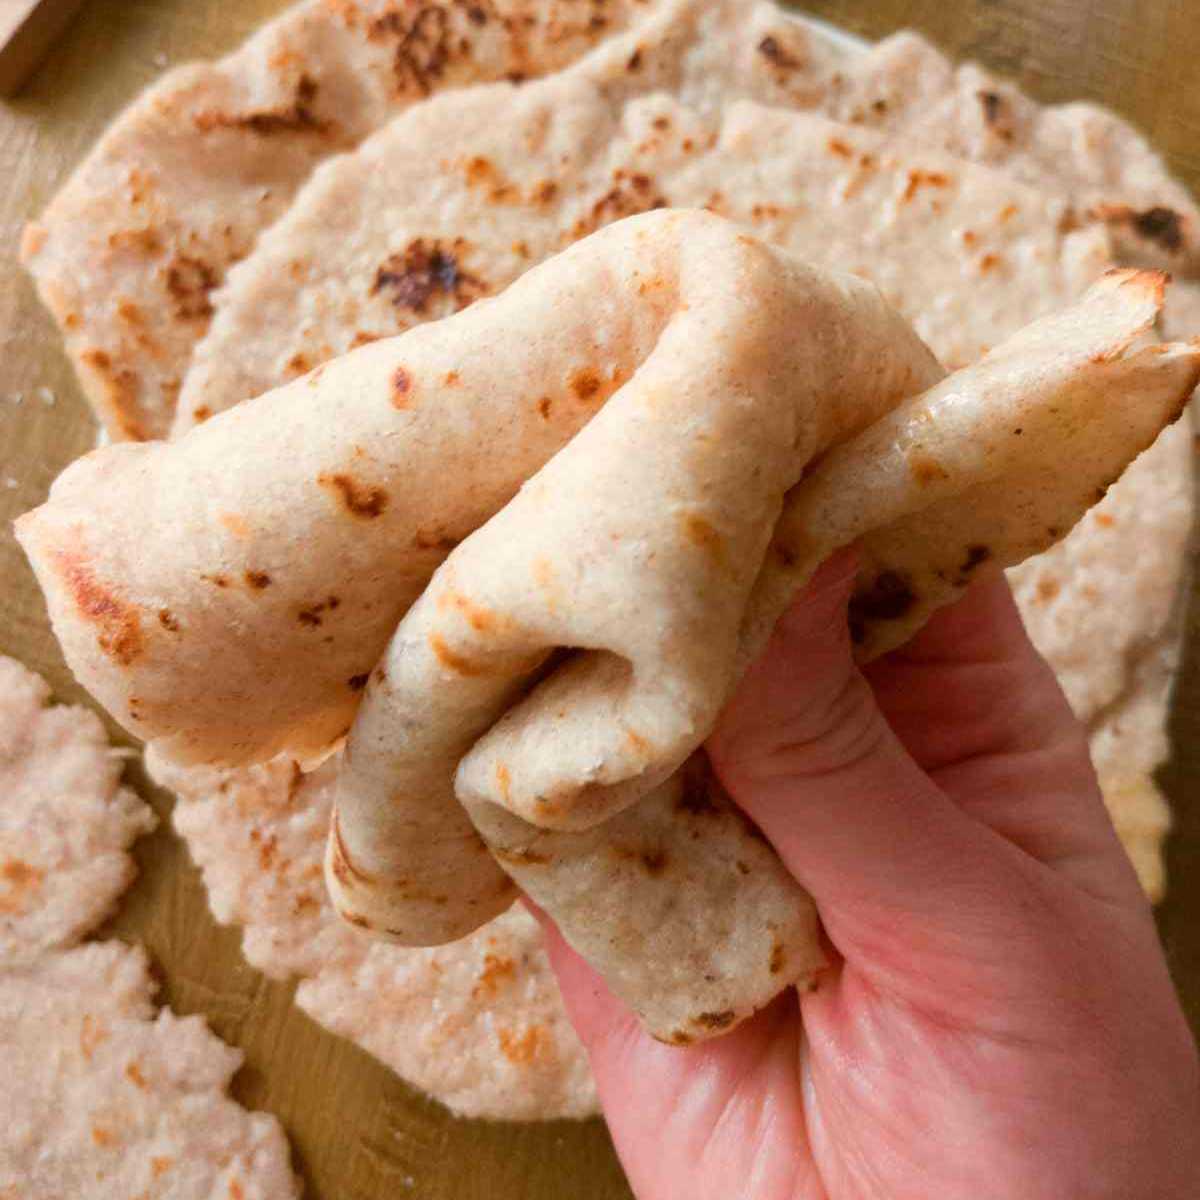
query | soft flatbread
(477,1024)
(127,255)
(66,823)
(105,1099)
(698,325)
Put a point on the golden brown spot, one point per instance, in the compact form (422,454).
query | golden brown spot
(926,470)
(989,262)
(716,1020)
(296,117)
(700,532)
(1007,213)
(503,781)
(522,1049)
(103,1136)
(359,499)
(481,619)
(1047,588)
(258,580)
(453,660)
(402,386)
(221,581)
(586,383)
(1105,520)
(298,364)
(662,124)
(918,179)
(778,958)
(168,620)
(134,1075)
(545,192)
(91,1034)
(236,524)
(202,412)
(680,1037)
(840,148)
(119,629)
(969,237)
(451,379)
(638,743)
(362,337)
(160,1164)
(634,62)
(22,879)
(544,406)
(356,683)
(236,1191)
(497,971)
(189,282)
(121,386)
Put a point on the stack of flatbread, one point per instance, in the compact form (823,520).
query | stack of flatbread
(972,209)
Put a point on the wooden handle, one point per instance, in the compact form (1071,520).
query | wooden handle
(28,29)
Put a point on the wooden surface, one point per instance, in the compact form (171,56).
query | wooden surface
(28,28)
(357,1132)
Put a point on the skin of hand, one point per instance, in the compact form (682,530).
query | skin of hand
(997,1019)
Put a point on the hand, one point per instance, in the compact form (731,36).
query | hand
(997,1019)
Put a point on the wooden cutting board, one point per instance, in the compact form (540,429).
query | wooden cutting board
(357,1132)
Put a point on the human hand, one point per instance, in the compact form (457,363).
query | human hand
(997,1019)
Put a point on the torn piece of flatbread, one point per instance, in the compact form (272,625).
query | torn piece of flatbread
(477,1024)
(105,1099)
(128,255)
(66,823)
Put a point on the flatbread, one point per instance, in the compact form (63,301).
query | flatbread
(730,367)
(1094,603)
(371,248)
(66,823)
(128,254)
(102,1098)
(105,1099)
(1095,160)
(478,1024)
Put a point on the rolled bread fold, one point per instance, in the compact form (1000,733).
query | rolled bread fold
(656,437)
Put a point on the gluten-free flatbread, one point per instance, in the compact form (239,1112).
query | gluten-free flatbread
(66,823)
(105,1099)
(477,1024)
(127,255)
(102,1098)
(727,367)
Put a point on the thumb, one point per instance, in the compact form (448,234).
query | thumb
(805,751)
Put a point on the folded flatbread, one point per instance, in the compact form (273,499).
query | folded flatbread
(691,385)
